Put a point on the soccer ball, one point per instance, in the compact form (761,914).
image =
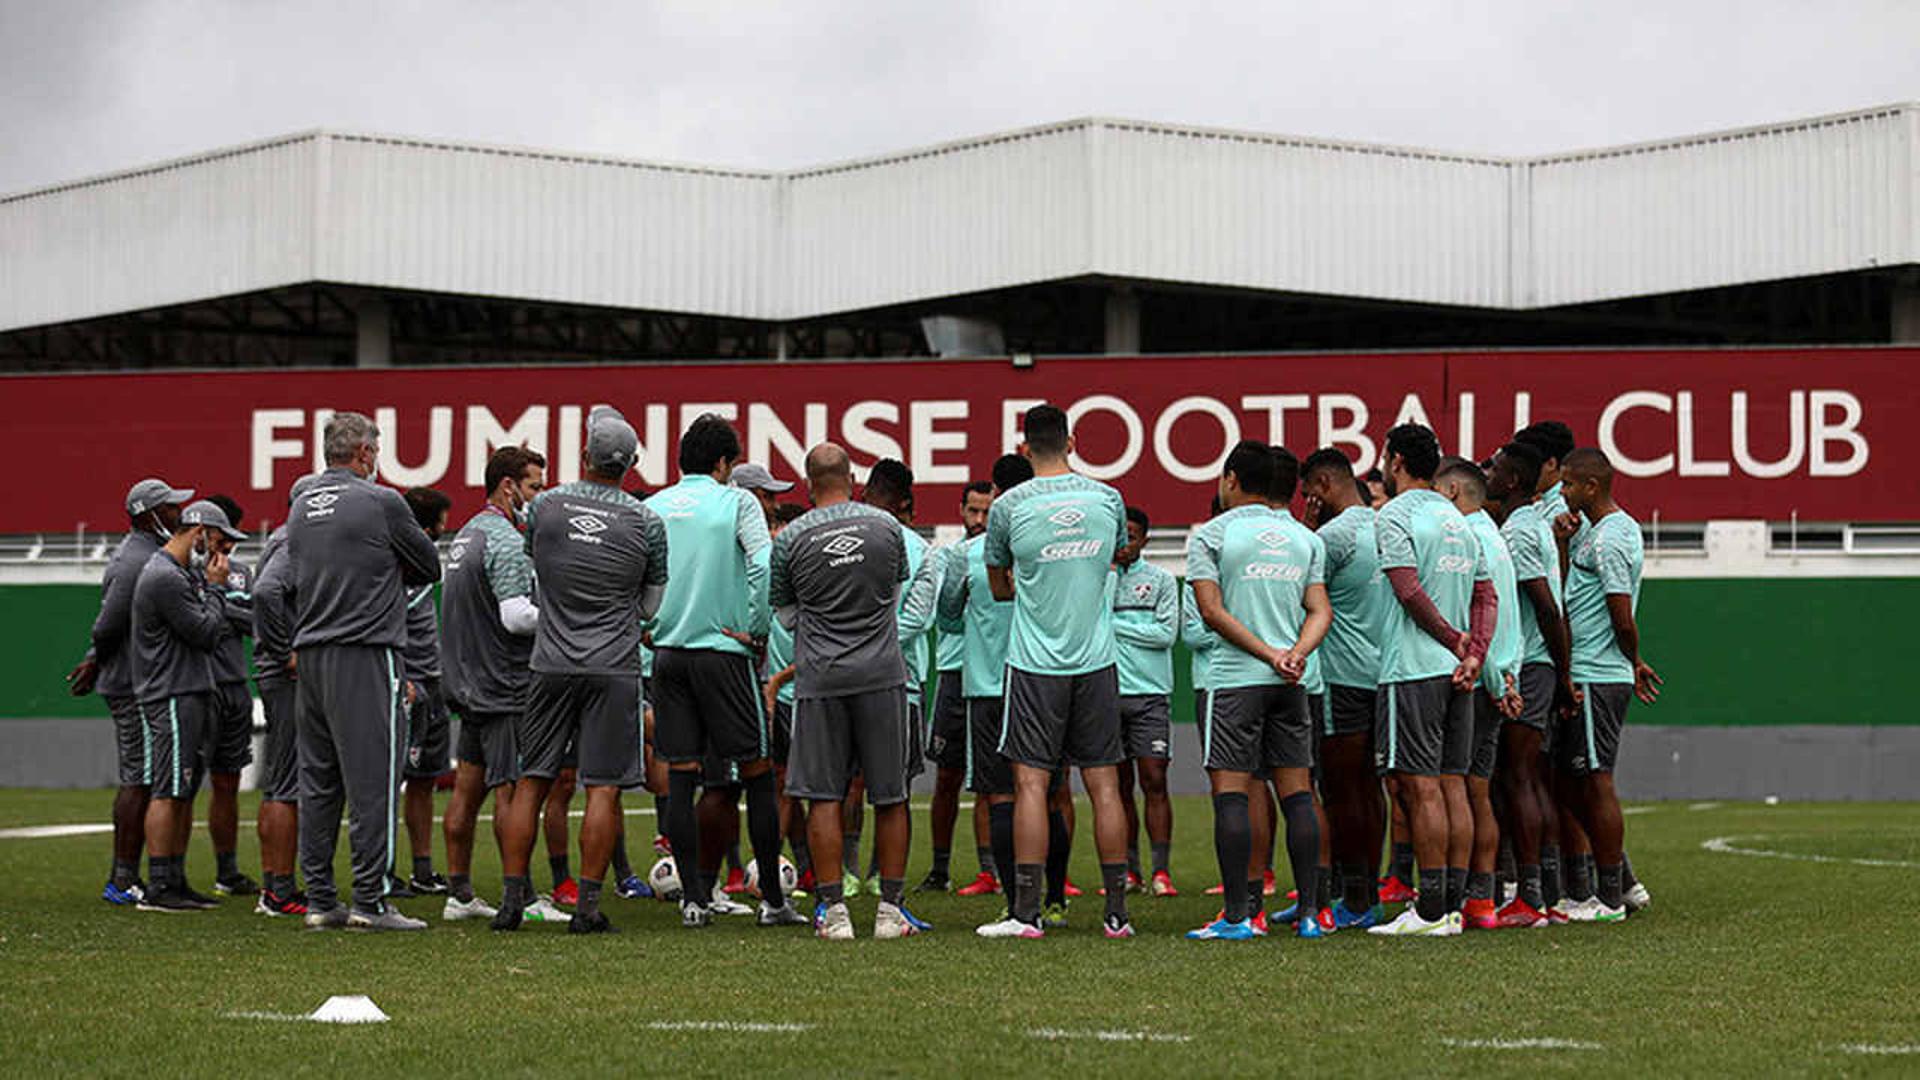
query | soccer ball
(789,877)
(665,879)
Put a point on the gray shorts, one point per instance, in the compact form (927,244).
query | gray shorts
(706,701)
(1349,710)
(916,735)
(1423,727)
(597,714)
(129,740)
(834,737)
(280,773)
(1055,720)
(1589,740)
(988,771)
(1537,684)
(487,740)
(947,742)
(1146,725)
(177,730)
(1253,729)
(427,732)
(230,742)
(1486,734)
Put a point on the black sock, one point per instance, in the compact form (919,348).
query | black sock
(1456,887)
(1323,888)
(1233,846)
(1059,848)
(891,890)
(1000,820)
(1530,886)
(1133,860)
(622,869)
(802,854)
(125,873)
(1627,880)
(516,892)
(942,863)
(460,887)
(1592,872)
(589,903)
(1303,845)
(1479,885)
(1114,877)
(1579,882)
(763,832)
(1161,853)
(158,874)
(1026,892)
(831,893)
(683,832)
(711,881)
(1256,897)
(660,804)
(985,855)
(1353,888)
(1552,886)
(1431,905)
(733,857)
(1402,864)
(561,872)
(423,867)
(226,864)
(1610,885)
(1506,867)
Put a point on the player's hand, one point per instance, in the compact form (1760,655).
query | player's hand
(1565,525)
(1467,673)
(1646,682)
(1291,665)
(1511,703)
(770,697)
(1461,645)
(80,679)
(293,663)
(217,569)
(757,648)
(1311,505)
(413,693)
(646,638)
(1570,698)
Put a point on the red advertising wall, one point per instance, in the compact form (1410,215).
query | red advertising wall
(1696,434)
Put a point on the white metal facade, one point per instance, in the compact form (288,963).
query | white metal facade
(1107,197)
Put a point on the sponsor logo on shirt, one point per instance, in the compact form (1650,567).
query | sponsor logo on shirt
(586,528)
(844,549)
(1273,571)
(1069,549)
(1067,517)
(1453,564)
(320,504)
(1271,539)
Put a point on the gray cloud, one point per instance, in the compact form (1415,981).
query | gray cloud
(88,87)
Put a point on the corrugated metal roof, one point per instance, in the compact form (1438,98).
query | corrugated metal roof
(1095,196)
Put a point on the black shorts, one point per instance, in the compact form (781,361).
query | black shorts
(280,773)
(1423,727)
(707,702)
(1537,684)
(598,714)
(988,771)
(1349,710)
(427,738)
(1146,726)
(947,742)
(1055,720)
(781,743)
(489,741)
(129,740)
(916,735)
(835,737)
(230,742)
(177,730)
(1486,734)
(1589,740)
(1253,729)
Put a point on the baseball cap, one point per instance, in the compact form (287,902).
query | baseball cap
(612,446)
(757,478)
(206,513)
(153,492)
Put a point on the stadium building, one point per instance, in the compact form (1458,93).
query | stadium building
(1735,316)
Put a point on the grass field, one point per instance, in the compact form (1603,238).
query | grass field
(1746,964)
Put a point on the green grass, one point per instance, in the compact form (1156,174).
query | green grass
(1744,965)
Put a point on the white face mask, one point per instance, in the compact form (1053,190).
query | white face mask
(198,559)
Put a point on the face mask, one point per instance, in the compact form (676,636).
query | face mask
(522,510)
(198,559)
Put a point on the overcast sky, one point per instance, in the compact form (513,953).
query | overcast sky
(87,87)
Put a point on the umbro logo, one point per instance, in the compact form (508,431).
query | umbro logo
(323,500)
(587,523)
(1271,538)
(844,544)
(680,501)
(1067,517)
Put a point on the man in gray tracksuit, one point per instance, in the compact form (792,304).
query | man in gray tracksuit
(278,822)
(230,739)
(355,548)
(153,512)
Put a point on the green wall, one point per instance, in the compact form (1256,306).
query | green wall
(1733,651)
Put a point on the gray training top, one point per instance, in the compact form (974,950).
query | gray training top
(841,566)
(115,621)
(355,548)
(177,623)
(230,656)
(421,657)
(485,665)
(273,610)
(599,570)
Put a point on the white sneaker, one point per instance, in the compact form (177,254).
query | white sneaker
(1507,893)
(1587,910)
(1410,924)
(1011,928)
(890,922)
(1638,897)
(835,924)
(724,906)
(476,908)
(1604,914)
(544,910)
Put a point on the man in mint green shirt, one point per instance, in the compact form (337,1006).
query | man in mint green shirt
(1146,621)
(1048,547)
(947,735)
(710,631)
(1604,562)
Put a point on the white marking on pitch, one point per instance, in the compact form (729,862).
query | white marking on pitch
(1631,810)
(46,832)
(1704,806)
(1870,1048)
(1521,1044)
(289,1017)
(1726,845)
(749,1026)
(1109,1036)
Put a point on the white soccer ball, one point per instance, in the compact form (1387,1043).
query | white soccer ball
(789,877)
(665,879)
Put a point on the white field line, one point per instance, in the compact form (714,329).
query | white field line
(249,1015)
(1632,810)
(1704,806)
(1053,1034)
(1729,845)
(1521,1044)
(1870,1048)
(748,1026)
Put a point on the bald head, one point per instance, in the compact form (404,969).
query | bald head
(1589,464)
(829,471)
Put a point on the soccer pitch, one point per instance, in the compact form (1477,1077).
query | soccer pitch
(1778,943)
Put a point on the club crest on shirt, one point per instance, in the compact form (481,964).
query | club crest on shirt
(1142,590)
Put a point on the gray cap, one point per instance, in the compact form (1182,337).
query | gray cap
(602,412)
(612,446)
(153,492)
(300,487)
(206,513)
(757,478)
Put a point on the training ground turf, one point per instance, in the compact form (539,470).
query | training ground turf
(1746,964)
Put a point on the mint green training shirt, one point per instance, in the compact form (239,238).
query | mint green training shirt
(919,598)
(1605,560)
(1503,653)
(1199,639)
(1530,542)
(1264,561)
(1058,534)
(966,602)
(1419,528)
(1146,620)
(1359,595)
(718,555)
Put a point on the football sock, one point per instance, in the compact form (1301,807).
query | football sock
(1233,847)
(1114,877)
(942,862)
(1530,890)
(683,832)
(763,831)
(1432,901)
(1026,892)
(1402,864)
(226,864)
(459,886)
(589,903)
(1456,887)
(1059,848)
(1000,818)
(1303,845)
(561,871)
(1552,885)
(1161,854)
(1610,885)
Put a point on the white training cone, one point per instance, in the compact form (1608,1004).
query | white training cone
(349,1009)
